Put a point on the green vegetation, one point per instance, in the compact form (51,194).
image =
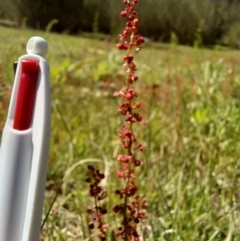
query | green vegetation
(191,175)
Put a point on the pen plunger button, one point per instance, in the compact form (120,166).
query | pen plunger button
(37,45)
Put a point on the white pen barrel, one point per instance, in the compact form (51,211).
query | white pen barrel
(15,167)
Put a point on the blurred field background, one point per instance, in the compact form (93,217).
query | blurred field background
(208,21)
(191,110)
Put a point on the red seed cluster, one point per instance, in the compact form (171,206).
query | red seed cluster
(130,28)
(128,159)
(127,137)
(136,211)
(98,193)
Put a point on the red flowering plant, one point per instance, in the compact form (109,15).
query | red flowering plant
(131,208)
(98,211)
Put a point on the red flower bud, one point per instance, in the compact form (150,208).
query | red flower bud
(120,46)
(90,168)
(88,179)
(130,17)
(123,14)
(91,225)
(128,59)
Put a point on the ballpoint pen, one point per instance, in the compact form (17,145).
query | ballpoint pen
(25,146)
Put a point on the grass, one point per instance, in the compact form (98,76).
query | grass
(191,175)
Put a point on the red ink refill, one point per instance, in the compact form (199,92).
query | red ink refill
(25,146)
(26,94)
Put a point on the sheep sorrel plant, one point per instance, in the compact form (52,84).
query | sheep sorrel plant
(132,208)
